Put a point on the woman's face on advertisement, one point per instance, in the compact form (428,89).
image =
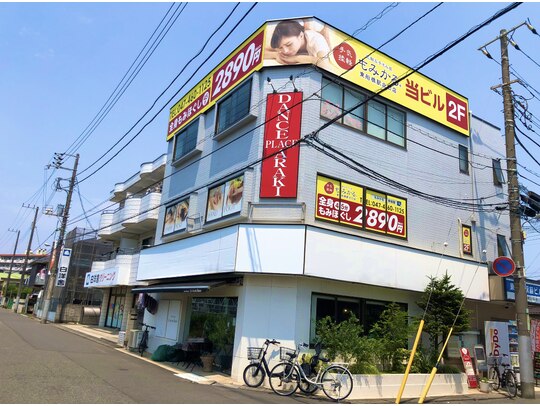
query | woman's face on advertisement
(289,46)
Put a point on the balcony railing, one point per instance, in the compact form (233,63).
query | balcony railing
(136,210)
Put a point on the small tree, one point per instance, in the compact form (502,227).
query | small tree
(443,301)
(346,341)
(392,332)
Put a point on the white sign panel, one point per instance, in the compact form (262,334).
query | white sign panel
(497,342)
(107,277)
(63,267)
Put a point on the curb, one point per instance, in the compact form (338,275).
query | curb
(99,340)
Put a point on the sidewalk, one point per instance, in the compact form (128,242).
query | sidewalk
(110,337)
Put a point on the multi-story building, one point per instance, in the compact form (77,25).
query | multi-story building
(18,261)
(129,227)
(346,213)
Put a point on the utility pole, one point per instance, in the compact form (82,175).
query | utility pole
(58,249)
(5,299)
(516,234)
(23,271)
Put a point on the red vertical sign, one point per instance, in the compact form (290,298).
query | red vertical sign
(279,171)
(469,369)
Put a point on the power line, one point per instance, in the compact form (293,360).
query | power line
(167,88)
(122,85)
(388,41)
(433,57)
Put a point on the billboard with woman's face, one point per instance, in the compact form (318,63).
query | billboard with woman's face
(309,41)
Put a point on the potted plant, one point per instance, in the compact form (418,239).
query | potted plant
(220,331)
(485,385)
(207,360)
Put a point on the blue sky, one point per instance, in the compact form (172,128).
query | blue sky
(61,61)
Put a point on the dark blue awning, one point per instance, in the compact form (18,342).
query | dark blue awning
(194,287)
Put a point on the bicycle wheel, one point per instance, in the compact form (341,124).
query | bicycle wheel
(307,387)
(511,384)
(142,344)
(337,382)
(284,379)
(254,375)
(493,377)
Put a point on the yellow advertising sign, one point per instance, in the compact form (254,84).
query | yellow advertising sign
(466,238)
(311,41)
(334,51)
(345,203)
(246,59)
(328,192)
(375,211)
(396,216)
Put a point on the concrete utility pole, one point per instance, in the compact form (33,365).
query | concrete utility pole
(23,271)
(54,264)
(5,298)
(516,234)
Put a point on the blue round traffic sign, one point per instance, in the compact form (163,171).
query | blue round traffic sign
(504,266)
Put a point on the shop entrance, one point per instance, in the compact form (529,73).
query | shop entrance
(115,307)
(213,320)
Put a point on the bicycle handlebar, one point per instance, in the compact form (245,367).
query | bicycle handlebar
(149,326)
(273,341)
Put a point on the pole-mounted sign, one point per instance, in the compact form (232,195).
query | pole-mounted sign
(504,266)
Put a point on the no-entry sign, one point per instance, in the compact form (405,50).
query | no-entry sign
(504,266)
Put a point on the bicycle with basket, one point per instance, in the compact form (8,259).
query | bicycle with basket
(333,378)
(506,379)
(258,368)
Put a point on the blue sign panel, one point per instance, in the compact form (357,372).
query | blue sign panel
(533,291)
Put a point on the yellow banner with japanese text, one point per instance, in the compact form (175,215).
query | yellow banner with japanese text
(337,52)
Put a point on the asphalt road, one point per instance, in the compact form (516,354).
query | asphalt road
(40,363)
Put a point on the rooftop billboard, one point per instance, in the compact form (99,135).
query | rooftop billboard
(311,41)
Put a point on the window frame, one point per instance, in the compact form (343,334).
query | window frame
(365,112)
(194,124)
(503,250)
(465,161)
(498,175)
(219,104)
(363,304)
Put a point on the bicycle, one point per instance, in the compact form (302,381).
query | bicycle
(506,380)
(334,379)
(143,344)
(258,369)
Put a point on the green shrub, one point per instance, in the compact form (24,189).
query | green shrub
(345,341)
(392,332)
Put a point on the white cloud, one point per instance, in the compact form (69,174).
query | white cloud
(45,55)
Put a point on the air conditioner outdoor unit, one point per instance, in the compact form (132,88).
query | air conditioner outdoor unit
(134,339)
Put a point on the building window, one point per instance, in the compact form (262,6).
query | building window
(234,107)
(383,122)
(498,178)
(340,308)
(336,98)
(502,246)
(186,140)
(463,159)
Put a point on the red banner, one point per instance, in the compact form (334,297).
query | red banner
(469,369)
(279,172)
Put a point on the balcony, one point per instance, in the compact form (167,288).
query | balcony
(114,269)
(138,216)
